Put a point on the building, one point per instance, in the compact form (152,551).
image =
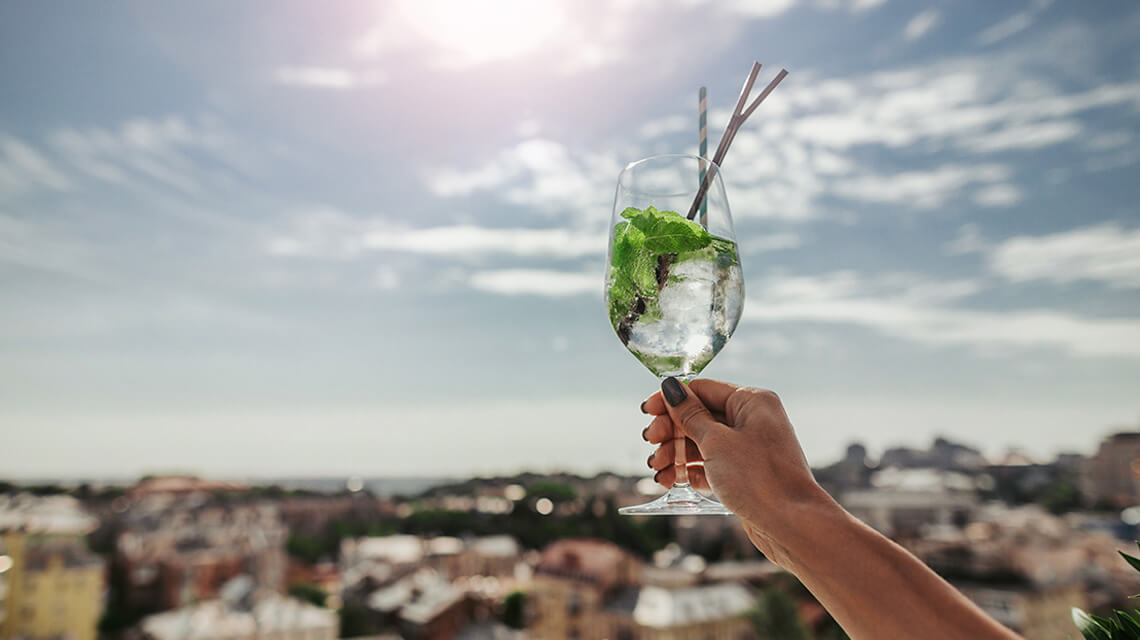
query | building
(1114,472)
(942,454)
(1041,613)
(172,549)
(51,586)
(574,581)
(586,588)
(902,501)
(270,617)
(717,611)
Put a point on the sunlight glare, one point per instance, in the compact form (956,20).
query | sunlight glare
(484,31)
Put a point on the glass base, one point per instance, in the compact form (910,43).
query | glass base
(680,500)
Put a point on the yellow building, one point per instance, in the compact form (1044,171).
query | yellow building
(52,586)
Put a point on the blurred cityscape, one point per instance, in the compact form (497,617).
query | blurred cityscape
(544,556)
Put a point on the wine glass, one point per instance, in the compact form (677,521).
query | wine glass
(674,287)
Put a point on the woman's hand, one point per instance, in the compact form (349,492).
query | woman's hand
(748,452)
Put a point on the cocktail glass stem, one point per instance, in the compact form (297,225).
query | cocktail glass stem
(681,498)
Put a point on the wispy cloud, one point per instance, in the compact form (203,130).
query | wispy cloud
(920,189)
(144,152)
(924,313)
(921,24)
(1107,253)
(950,112)
(331,234)
(1012,25)
(337,78)
(997,195)
(539,173)
(537,282)
(23,169)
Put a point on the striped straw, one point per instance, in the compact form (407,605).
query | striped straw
(704,150)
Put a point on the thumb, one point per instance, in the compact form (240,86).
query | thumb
(687,410)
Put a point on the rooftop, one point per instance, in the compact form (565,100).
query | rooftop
(214,620)
(660,608)
(51,515)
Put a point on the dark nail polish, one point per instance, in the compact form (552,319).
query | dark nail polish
(649,461)
(643,432)
(674,391)
(643,406)
(657,476)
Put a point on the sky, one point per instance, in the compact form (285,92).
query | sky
(294,238)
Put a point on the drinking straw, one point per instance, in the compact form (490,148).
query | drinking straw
(703,107)
(739,115)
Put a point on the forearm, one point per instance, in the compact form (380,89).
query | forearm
(873,587)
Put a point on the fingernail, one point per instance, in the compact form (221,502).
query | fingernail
(643,406)
(657,475)
(643,432)
(674,392)
(649,460)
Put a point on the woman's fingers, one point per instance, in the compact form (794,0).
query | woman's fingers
(714,394)
(697,477)
(663,456)
(654,405)
(661,428)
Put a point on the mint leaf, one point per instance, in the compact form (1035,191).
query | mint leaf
(674,234)
(667,231)
(647,235)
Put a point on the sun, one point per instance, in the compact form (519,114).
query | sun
(478,32)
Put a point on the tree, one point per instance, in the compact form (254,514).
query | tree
(305,547)
(775,616)
(309,593)
(355,620)
(514,610)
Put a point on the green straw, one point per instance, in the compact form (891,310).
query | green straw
(703,105)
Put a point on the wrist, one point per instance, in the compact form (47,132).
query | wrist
(799,526)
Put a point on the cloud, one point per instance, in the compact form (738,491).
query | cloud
(1107,253)
(808,143)
(918,311)
(469,239)
(1021,137)
(326,78)
(144,152)
(968,240)
(1012,25)
(859,6)
(541,174)
(920,189)
(760,8)
(921,24)
(997,195)
(386,279)
(23,170)
(538,282)
(331,234)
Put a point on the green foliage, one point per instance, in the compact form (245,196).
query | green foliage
(642,536)
(356,620)
(556,491)
(667,231)
(1061,497)
(514,610)
(304,547)
(775,616)
(638,243)
(310,593)
(1122,625)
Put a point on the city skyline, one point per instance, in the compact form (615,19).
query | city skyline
(280,239)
